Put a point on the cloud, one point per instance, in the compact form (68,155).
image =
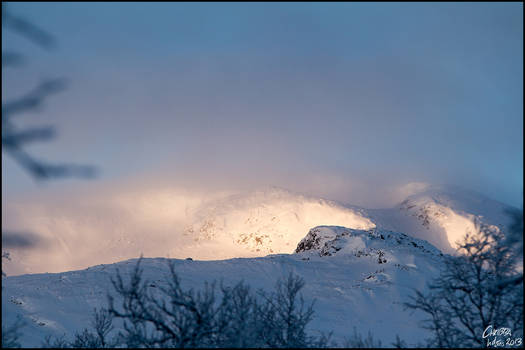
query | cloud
(111,221)
(241,101)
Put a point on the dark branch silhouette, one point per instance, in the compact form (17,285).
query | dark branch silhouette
(27,29)
(20,240)
(14,139)
(11,59)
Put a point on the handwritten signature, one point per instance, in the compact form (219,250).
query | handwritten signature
(500,337)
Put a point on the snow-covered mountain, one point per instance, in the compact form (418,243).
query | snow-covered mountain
(171,223)
(222,226)
(441,214)
(268,221)
(358,278)
(360,268)
(274,220)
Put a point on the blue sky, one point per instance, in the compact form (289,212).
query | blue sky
(335,99)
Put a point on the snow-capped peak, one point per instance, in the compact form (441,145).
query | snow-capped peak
(441,214)
(268,221)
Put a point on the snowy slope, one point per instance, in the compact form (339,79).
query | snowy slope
(273,220)
(222,226)
(441,214)
(358,277)
(268,221)
(174,224)
(359,271)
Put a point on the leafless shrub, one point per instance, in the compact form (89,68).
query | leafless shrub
(481,287)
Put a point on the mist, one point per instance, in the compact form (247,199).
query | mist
(106,222)
(348,102)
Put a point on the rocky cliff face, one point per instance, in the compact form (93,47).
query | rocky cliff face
(331,240)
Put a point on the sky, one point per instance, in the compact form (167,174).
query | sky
(340,100)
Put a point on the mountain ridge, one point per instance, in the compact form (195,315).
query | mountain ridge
(353,282)
(256,223)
